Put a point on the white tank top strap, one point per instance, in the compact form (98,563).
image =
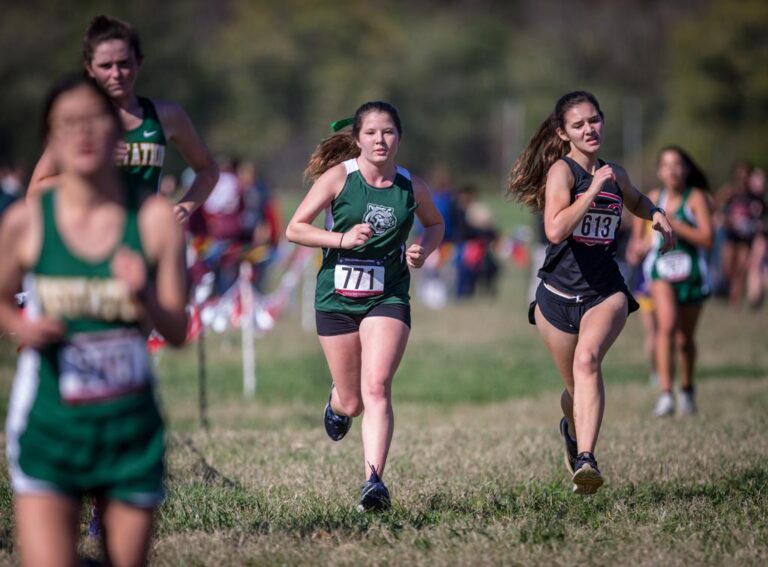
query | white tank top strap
(351,165)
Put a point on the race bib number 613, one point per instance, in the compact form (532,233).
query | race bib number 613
(597,227)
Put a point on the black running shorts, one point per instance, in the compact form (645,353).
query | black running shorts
(566,314)
(334,323)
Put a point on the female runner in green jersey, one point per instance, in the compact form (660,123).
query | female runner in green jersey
(98,269)
(362,303)
(679,279)
(112,57)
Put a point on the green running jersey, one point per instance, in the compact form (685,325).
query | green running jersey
(354,281)
(83,415)
(684,267)
(143,164)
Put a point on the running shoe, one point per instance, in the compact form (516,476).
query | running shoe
(587,477)
(570,445)
(665,406)
(336,426)
(374,496)
(686,404)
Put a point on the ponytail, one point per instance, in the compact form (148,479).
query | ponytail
(332,151)
(528,176)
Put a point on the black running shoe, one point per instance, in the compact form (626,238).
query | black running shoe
(374,497)
(586,477)
(570,445)
(336,426)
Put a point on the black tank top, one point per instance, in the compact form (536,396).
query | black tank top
(583,263)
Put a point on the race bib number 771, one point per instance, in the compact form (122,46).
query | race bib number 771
(359,278)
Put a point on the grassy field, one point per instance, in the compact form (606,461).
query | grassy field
(475,470)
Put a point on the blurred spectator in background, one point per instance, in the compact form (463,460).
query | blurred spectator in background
(756,268)
(443,196)
(260,221)
(221,214)
(11,186)
(465,259)
(741,212)
(484,269)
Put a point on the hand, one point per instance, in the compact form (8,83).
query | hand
(356,236)
(182,212)
(128,267)
(661,225)
(601,177)
(39,333)
(121,151)
(415,256)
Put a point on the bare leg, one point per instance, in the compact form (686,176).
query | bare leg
(666,320)
(689,317)
(599,328)
(648,319)
(755,271)
(561,346)
(383,341)
(47,530)
(127,533)
(736,283)
(342,352)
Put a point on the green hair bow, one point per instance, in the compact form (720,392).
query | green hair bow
(343,123)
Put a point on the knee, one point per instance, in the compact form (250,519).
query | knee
(351,405)
(585,364)
(377,392)
(685,343)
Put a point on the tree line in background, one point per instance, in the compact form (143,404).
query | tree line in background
(472,79)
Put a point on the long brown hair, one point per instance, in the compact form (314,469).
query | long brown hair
(527,178)
(694,176)
(341,146)
(105,28)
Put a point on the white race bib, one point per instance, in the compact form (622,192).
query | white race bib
(597,227)
(359,278)
(103,365)
(674,266)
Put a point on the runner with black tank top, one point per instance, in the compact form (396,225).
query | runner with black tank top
(112,57)
(98,269)
(582,303)
(679,278)
(362,302)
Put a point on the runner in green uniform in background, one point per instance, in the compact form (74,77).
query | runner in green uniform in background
(679,279)
(362,303)
(97,268)
(112,56)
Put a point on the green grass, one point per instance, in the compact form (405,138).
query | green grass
(476,470)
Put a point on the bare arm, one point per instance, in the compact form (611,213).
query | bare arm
(641,206)
(20,236)
(45,175)
(164,298)
(181,132)
(561,216)
(639,243)
(431,220)
(702,234)
(300,229)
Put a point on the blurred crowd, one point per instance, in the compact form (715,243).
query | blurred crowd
(241,219)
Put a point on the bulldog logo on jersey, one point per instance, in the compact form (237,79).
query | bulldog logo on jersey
(380,218)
